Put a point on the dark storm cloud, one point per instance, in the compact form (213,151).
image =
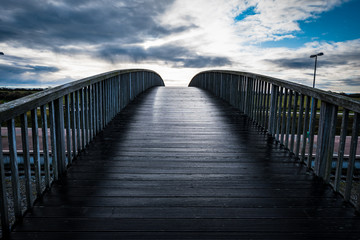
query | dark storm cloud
(352,59)
(351,82)
(175,55)
(56,23)
(113,28)
(9,75)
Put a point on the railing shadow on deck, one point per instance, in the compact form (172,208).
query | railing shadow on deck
(312,124)
(63,121)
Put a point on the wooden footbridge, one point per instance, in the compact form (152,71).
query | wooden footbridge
(234,156)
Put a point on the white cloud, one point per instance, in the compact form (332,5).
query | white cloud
(170,39)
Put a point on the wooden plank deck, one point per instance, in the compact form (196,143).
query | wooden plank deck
(178,163)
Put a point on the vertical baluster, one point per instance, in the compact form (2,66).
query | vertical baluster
(264,106)
(73,124)
(36,150)
(26,155)
(276,103)
(330,143)
(102,104)
(119,90)
(252,99)
(278,124)
(231,90)
(60,138)
(305,127)
(4,210)
(272,117)
(288,120)
(106,96)
(53,141)
(68,133)
(103,114)
(108,99)
(113,90)
(268,95)
(45,146)
(261,106)
(300,122)
(91,111)
(293,124)
(82,118)
(257,95)
(341,149)
(98,109)
(14,169)
(283,117)
(240,98)
(95,107)
(77,111)
(86,115)
(327,123)
(312,131)
(243,92)
(352,156)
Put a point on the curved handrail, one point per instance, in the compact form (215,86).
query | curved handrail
(17,107)
(71,115)
(310,129)
(322,95)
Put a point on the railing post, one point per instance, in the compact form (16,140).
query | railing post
(283,117)
(341,149)
(352,156)
(305,127)
(3,198)
(324,151)
(36,150)
(45,145)
(247,102)
(14,169)
(68,133)
(312,131)
(73,124)
(26,156)
(273,109)
(293,122)
(60,138)
(300,123)
(53,140)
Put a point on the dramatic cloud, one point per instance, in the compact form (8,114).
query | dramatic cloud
(52,42)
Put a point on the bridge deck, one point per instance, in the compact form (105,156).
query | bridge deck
(179,163)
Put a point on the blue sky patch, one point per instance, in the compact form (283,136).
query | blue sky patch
(248,12)
(338,25)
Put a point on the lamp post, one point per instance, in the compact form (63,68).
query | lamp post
(312,102)
(315,56)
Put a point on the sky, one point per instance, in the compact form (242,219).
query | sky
(51,42)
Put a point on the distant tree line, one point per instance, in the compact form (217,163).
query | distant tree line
(9,94)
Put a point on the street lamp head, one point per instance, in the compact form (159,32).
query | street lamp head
(1,53)
(315,55)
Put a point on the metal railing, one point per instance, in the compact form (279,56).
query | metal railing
(63,121)
(312,124)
